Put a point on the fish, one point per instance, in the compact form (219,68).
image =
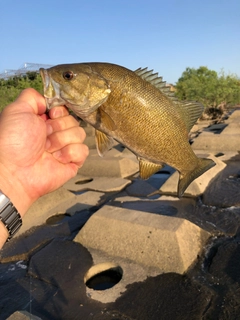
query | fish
(134,108)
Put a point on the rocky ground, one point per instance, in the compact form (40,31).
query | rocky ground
(101,248)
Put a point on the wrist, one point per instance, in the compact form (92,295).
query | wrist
(14,190)
(9,215)
(3,234)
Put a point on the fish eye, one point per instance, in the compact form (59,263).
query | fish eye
(68,75)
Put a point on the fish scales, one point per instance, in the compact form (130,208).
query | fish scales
(124,106)
(148,119)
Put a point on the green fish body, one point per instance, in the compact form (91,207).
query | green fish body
(133,108)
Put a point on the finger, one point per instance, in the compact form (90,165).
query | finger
(44,116)
(75,153)
(59,139)
(33,101)
(58,112)
(62,123)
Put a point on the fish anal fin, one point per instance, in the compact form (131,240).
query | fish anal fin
(103,142)
(185,179)
(146,168)
(106,120)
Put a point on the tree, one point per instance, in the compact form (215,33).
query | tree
(208,87)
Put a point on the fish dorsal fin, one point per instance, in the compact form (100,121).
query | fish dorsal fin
(147,168)
(190,112)
(156,81)
(103,142)
(140,71)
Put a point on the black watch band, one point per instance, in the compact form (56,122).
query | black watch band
(9,215)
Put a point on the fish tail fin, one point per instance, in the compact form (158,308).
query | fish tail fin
(185,179)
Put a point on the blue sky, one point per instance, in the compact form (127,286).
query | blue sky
(164,35)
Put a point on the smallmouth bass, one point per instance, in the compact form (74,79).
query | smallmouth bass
(135,109)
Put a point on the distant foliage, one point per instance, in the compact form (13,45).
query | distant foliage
(208,87)
(10,89)
(202,84)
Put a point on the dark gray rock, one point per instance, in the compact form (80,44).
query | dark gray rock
(168,296)
(224,190)
(38,237)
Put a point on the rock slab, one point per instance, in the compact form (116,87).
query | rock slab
(109,167)
(167,243)
(199,185)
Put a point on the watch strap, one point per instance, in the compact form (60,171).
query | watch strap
(9,215)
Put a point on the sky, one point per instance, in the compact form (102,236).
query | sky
(164,35)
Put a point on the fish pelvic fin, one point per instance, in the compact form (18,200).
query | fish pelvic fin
(185,179)
(147,168)
(103,142)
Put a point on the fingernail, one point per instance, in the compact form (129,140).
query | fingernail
(57,113)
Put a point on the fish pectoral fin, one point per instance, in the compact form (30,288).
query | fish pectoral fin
(185,179)
(103,142)
(147,168)
(107,120)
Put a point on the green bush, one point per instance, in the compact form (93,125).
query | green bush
(208,87)
(10,88)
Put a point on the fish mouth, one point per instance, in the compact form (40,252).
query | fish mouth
(51,90)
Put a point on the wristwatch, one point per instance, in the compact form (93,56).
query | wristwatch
(9,215)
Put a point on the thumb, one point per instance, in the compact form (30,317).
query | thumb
(29,100)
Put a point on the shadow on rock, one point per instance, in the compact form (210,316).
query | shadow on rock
(224,191)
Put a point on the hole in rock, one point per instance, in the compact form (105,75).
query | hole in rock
(219,154)
(163,172)
(217,128)
(84,181)
(103,276)
(58,218)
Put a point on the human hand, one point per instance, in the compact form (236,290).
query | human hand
(37,154)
